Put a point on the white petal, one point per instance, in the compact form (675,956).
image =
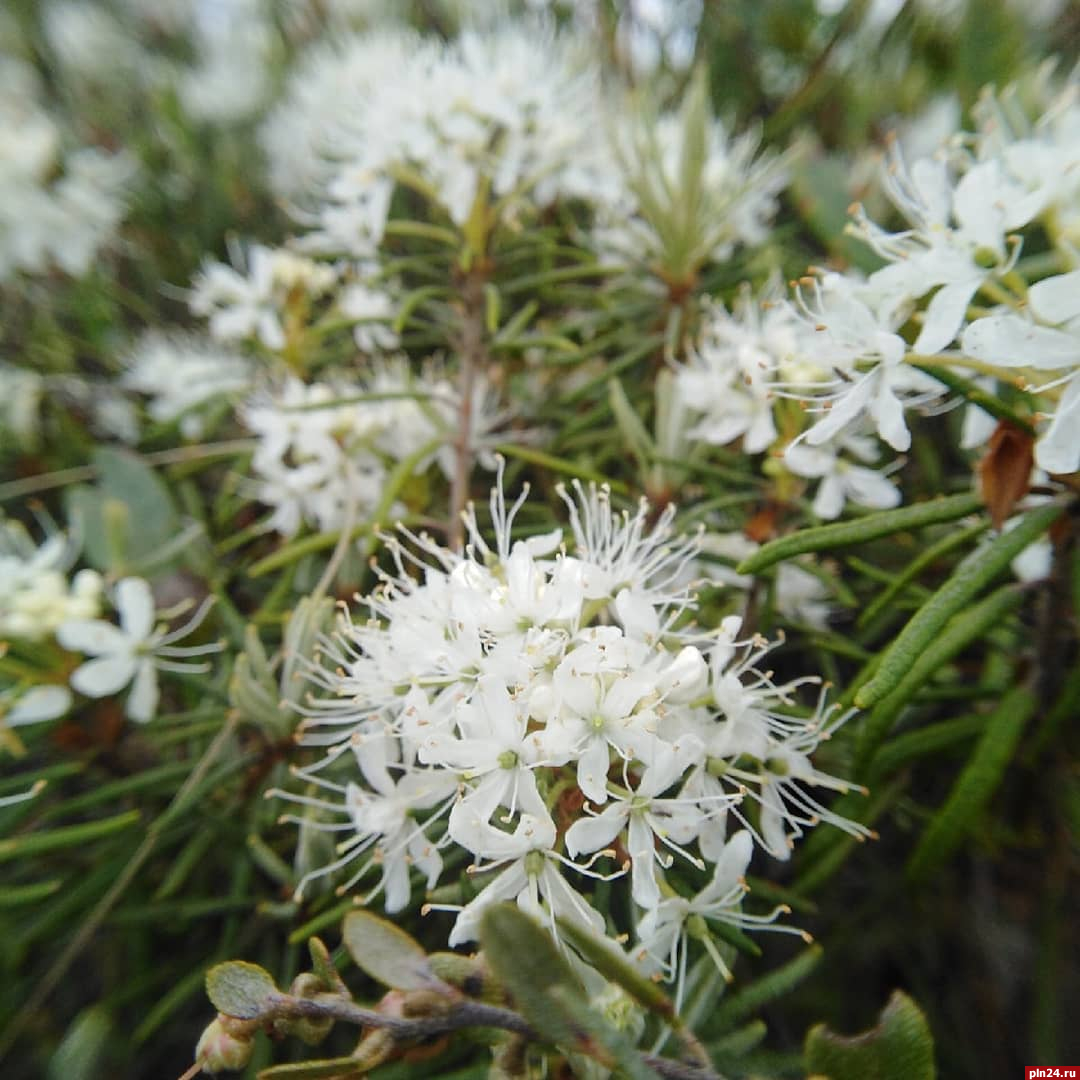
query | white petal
(92,636)
(143,699)
(644,887)
(505,887)
(869,488)
(135,602)
(589,834)
(103,676)
(829,501)
(1056,299)
(39,703)
(1014,342)
(1058,450)
(592,770)
(888,414)
(945,315)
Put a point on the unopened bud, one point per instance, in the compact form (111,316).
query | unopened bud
(221,1050)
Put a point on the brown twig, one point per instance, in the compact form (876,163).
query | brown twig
(473,358)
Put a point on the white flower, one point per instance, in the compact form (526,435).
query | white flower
(841,479)
(182,374)
(729,375)
(664,930)
(1013,341)
(857,338)
(230,80)
(35,596)
(250,302)
(373,312)
(132,652)
(323,448)
(986,206)
(57,208)
(651,821)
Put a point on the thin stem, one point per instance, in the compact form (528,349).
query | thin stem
(473,356)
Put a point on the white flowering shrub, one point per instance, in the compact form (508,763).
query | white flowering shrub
(510,496)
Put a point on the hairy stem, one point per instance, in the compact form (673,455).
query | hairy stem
(463,1014)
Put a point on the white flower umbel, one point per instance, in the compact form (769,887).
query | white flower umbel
(542,706)
(58,208)
(132,652)
(35,595)
(500,117)
(251,299)
(183,375)
(728,376)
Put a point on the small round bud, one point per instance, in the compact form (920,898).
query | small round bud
(220,1050)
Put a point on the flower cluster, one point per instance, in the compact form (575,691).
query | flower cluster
(323,448)
(953,299)
(548,706)
(58,207)
(967,211)
(35,594)
(37,602)
(749,361)
(183,375)
(502,116)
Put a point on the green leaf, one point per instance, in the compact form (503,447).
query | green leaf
(526,961)
(899,1047)
(932,739)
(240,989)
(81,1054)
(976,784)
(611,962)
(386,953)
(960,631)
(870,527)
(37,843)
(769,987)
(925,559)
(973,574)
(128,517)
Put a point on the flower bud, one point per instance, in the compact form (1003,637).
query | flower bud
(220,1050)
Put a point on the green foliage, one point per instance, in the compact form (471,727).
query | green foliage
(898,1047)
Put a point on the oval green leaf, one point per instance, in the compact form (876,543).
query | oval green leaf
(386,953)
(239,989)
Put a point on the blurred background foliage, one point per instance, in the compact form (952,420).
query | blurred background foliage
(152,852)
